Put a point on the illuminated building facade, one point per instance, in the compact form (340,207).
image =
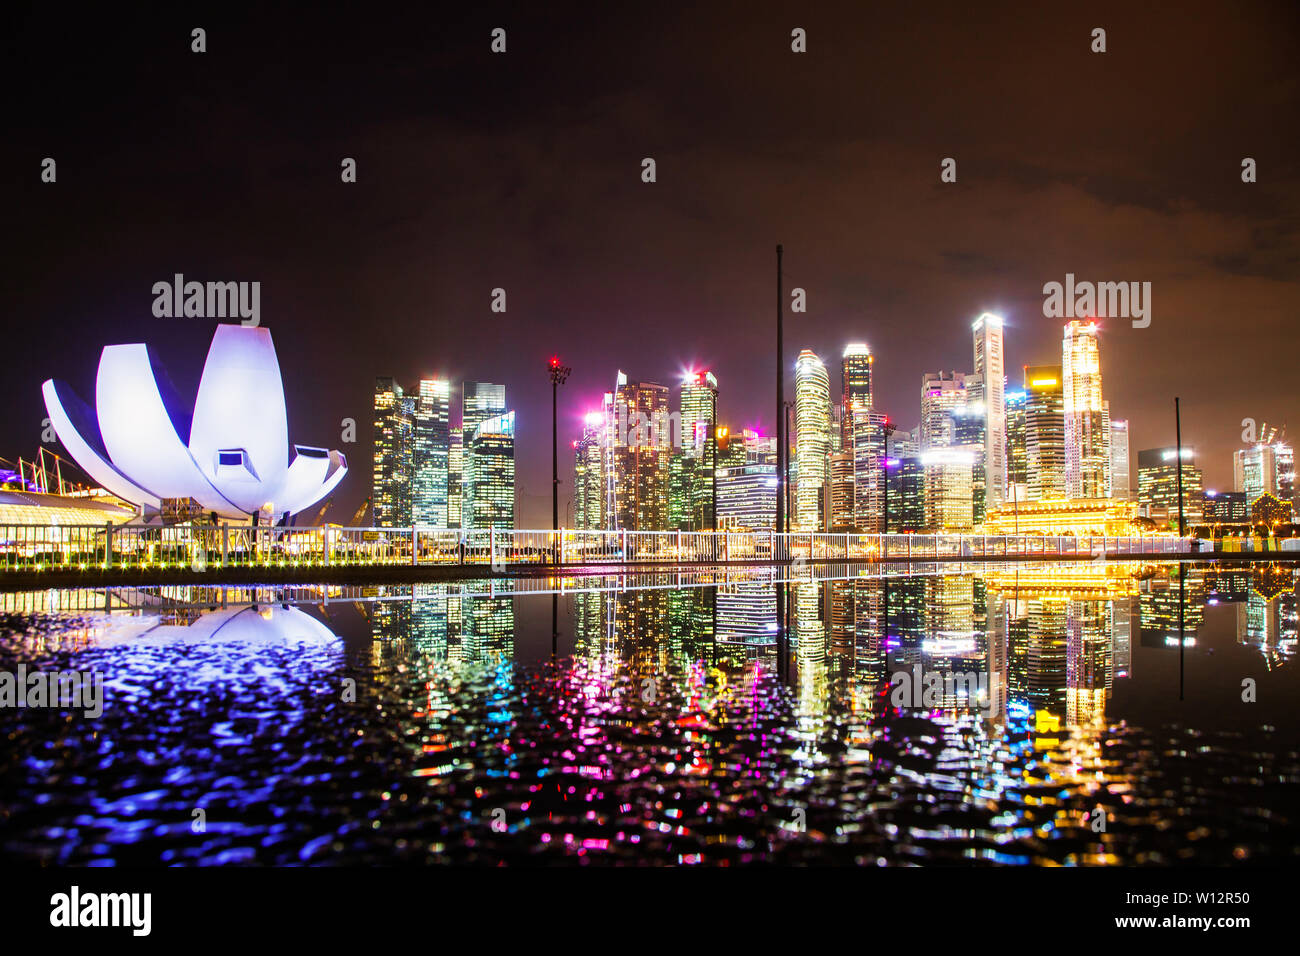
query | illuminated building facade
(1265,468)
(1158,485)
(812,396)
(489,483)
(1081,517)
(1225,508)
(432,431)
(693,491)
(747,496)
(868,456)
(394,414)
(942,393)
(839,492)
(640,456)
(1119,471)
(855,370)
(455,475)
(589,476)
(1087,437)
(948,490)
(1044,432)
(1017,469)
(990,366)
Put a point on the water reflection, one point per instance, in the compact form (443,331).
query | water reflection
(670,718)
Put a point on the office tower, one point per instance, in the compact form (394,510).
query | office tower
(1158,485)
(1266,467)
(432,449)
(588,475)
(948,491)
(1119,482)
(970,424)
(907,494)
(488,499)
(941,394)
(1087,440)
(699,408)
(989,365)
(855,373)
(455,475)
(1044,432)
(840,504)
(868,458)
(812,409)
(754,447)
(394,413)
(1017,472)
(747,496)
(640,455)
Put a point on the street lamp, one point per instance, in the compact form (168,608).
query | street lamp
(559,373)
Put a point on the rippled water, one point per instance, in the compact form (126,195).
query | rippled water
(664,721)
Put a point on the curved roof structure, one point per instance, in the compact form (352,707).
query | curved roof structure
(230,454)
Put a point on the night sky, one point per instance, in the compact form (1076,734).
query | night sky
(523,171)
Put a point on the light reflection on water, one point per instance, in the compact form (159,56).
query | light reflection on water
(670,721)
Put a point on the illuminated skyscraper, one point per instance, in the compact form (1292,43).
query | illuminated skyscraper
(488,500)
(694,466)
(747,496)
(1119,474)
(699,402)
(455,475)
(394,413)
(1158,485)
(481,401)
(989,365)
(942,393)
(839,491)
(639,457)
(948,494)
(1017,472)
(1044,432)
(1087,438)
(1266,467)
(812,396)
(588,475)
(432,450)
(855,371)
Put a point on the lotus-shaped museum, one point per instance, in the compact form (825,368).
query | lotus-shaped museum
(229,456)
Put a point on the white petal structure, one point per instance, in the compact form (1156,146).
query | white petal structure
(232,457)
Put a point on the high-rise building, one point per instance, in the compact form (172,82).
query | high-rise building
(855,372)
(481,401)
(942,393)
(1087,437)
(868,446)
(488,500)
(429,479)
(1266,467)
(839,491)
(692,468)
(698,406)
(812,397)
(455,475)
(907,495)
(969,425)
(394,413)
(1017,470)
(1044,432)
(1119,480)
(1158,485)
(990,366)
(640,455)
(747,496)
(588,475)
(948,491)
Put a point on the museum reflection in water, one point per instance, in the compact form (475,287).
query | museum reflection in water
(1051,640)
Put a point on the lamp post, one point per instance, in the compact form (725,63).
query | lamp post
(559,373)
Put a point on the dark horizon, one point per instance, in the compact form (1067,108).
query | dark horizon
(523,171)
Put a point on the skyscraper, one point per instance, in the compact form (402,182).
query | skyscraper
(394,412)
(989,365)
(639,453)
(481,401)
(1087,439)
(1017,472)
(488,500)
(1119,474)
(1044,432)
(455,475)
(855,372)
(1158,485)
(588,475)
(941,394)
(812,397)
(432,450)
(693,467)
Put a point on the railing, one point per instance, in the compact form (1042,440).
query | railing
(42,547)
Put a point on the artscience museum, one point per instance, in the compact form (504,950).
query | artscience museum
(228,454)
